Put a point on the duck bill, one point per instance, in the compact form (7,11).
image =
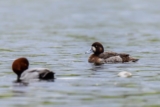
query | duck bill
(89,51)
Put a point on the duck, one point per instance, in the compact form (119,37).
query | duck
(100,57)
(20,66)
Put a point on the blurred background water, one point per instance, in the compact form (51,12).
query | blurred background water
(56,33)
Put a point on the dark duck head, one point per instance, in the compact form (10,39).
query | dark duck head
(96,48)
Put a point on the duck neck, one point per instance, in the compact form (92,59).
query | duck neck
(96,54)
(18,78)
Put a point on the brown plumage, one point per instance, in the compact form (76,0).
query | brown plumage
(20,65)
(100,57)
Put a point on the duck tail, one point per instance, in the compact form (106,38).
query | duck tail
(46,75)
(133,59)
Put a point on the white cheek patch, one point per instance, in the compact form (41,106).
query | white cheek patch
(93,49)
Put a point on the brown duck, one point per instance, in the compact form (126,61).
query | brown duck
(101,57)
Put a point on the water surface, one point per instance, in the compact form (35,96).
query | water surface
(56,33)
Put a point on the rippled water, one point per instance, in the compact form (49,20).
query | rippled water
(56,33)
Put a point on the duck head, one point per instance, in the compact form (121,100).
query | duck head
(96,48)
(20,65)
